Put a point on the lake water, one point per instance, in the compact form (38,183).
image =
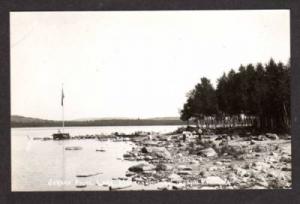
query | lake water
(46,166)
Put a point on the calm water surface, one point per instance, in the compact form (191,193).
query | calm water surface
(46,165)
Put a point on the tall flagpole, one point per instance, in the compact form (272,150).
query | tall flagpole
(62,103)
(63,126)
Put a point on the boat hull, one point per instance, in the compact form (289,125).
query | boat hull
(61,136)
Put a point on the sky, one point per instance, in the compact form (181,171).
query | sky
(135,64)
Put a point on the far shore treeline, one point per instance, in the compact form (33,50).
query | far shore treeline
(257,94)
(20,121)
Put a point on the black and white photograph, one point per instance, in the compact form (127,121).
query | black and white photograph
(150,100)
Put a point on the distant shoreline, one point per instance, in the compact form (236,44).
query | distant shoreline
(98,123)
(21,121)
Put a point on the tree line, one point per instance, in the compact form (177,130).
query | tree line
(113,122)
(259,95)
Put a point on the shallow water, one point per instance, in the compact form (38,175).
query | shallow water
(46,165)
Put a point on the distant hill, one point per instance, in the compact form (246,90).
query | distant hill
(21,121)
(126,118)
(104,118)
(164,118)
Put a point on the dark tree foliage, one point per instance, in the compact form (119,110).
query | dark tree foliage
(202,101)
(261,92)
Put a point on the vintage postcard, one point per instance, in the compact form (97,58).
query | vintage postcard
(150,100)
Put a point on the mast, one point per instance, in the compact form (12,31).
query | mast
(62,104)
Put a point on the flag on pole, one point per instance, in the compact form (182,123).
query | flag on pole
(62,97)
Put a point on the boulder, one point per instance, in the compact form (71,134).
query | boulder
(163,186)
(213,181)
(208,152)
(119,185)
(160,152)
(213,168)
(148,158)
(218,163)
(203,173)
(288,168)
(175,178)
(260,148)
(260,166)
(285,158)
(257,187)
(241,172)
(184,168)
(233,179)
(163,167)
(178,186)
(194,161)
(208,188)
(142,167)
(235,150)
(129,174)
(272,136)
(73,148)
(185,173)
(127,155)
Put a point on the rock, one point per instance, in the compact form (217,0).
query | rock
(184,173)
(257,187)
(137,179)
(262,138)
(178,186)
(128,174)
(194,161)
(213,181)
(208,188)
(160,152)
(260,166)
(148,158)
(163,186)
(175,178)
(127,155)
(272,136)
(232,178)
(163,167)
(88,175)
(120,185)
(242,172)
(213,168)
(203,173)
(208,152)
(218,163)
(260,180)
(234,150)
(285,158)
(260,148)
(272,174)
(81,186)
(142,167)
(185,168)
(286,169)
(274,154)
(73,148)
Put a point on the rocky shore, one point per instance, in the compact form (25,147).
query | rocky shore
(216,161)
(183,160)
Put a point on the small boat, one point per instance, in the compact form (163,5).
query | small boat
(61,135)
